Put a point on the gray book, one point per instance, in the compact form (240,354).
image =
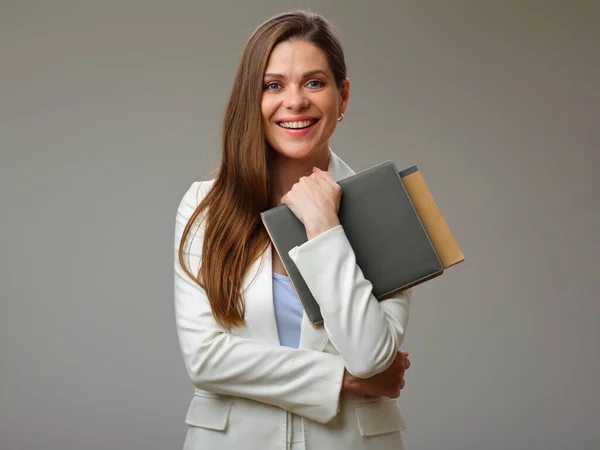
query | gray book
(391,244)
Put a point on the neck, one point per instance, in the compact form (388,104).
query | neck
(285,172)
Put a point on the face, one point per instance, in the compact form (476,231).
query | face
(300,101)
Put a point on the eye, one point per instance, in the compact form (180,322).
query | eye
(272,86)
(315,84)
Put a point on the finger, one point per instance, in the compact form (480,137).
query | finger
(318,177)
(326,175)
(329,187)
(324,186)
(287,200)
(406,362)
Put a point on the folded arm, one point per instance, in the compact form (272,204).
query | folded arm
(366,332)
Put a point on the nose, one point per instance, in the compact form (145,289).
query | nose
(295,99)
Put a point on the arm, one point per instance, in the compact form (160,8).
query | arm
(302,381)
(367,333)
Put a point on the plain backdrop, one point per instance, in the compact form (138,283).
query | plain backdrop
(109,110)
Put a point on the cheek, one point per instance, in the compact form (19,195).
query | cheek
(332,112)
(330,108)
(267,108)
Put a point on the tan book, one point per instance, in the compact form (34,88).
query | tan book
(438,230)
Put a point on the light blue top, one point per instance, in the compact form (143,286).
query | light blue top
(288,311)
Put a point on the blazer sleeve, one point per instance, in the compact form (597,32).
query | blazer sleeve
(366,332)
(303,381)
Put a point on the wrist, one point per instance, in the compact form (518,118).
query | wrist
(317,227)
(348,382)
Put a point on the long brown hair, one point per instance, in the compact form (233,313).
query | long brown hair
(234,236)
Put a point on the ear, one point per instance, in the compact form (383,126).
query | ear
(344,96)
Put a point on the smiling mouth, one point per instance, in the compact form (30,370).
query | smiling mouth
(300,125)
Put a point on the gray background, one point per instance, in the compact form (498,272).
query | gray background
(109,110)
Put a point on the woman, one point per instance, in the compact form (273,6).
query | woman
(264,377)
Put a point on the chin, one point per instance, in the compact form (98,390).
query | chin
(296,150)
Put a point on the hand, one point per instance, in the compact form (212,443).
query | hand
(315,201)
(388,383)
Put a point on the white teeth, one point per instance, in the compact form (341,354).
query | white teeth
(293,125)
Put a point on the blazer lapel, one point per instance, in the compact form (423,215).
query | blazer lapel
(338,168)
(260,312)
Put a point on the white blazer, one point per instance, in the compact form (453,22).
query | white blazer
(245,382)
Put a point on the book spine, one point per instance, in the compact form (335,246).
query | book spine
(442,238)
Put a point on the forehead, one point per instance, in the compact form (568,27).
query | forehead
(294,57)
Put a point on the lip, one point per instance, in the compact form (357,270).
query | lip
(296,119)
(300,132)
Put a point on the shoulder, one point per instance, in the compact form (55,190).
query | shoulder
(190,200)
(193,196)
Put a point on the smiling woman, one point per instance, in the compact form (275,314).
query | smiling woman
(301,101)
(265,378)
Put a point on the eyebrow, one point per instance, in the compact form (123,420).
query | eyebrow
(310,73)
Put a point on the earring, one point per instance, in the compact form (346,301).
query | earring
(341,117)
